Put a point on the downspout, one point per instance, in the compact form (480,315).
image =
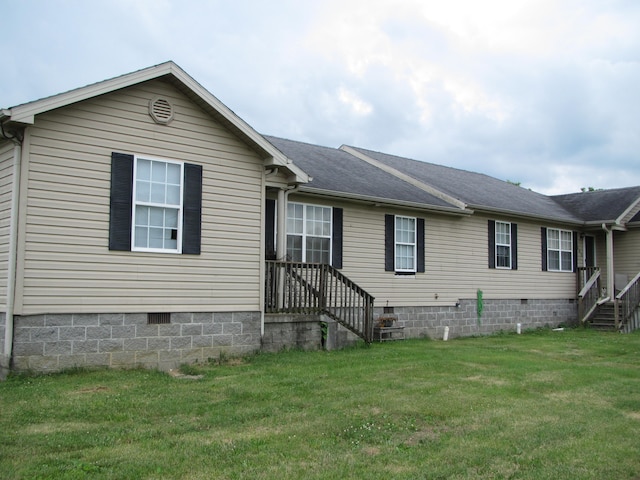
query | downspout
(610,270)
(13,249)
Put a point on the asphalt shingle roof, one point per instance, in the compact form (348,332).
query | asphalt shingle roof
(475,189)
(600,205)
(338,171)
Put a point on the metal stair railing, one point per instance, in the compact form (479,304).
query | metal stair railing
(313,288)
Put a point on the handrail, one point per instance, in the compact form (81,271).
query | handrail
(627,301)
(297,287)
(583,274)
(588,297)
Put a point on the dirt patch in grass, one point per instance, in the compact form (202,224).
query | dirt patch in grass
(96,389)
(497,382)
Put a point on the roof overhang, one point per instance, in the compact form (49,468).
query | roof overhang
(23,115)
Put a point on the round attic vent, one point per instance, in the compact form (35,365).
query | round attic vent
(161,110)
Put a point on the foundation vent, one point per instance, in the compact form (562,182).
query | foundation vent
(158,318)
(161,110)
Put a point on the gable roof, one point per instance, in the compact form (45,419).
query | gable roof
(24,114)
(478,191)
(615,206)
(336,172)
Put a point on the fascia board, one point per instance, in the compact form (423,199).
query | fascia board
(629,213)
(25,113)
(385,201)
(403,176)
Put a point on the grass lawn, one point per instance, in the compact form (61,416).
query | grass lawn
(542,405)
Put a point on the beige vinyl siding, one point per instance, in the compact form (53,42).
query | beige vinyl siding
(626,252)
(6,179)
(456,260)
(67,264)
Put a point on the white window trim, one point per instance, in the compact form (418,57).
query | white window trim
(498,244)
(559,250)
(304,228)
(414,244)
(135,203)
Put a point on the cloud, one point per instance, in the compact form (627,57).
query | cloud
(536,91)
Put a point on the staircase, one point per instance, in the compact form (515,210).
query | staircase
(308,288)
(604,318)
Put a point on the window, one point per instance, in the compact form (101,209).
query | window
(309,233)
(559,250)
(155,205)
(503,245)
(404,244)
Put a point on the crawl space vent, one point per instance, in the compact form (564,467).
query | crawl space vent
(161,110)
(158,318)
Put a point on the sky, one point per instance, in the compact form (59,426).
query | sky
(541,92)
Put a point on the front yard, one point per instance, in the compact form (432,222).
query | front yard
(542,405)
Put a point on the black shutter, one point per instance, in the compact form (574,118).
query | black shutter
(514,246)
(192,209)
(492,244)
(420,245)
(336,240)
(543,239)
(389,241)
(270,230)
(120,201)
(575,251)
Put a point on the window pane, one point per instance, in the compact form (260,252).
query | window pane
(143,190)
(404,257)
(405,230)
(143,170)
(171,218)
(141,239)
(317,250)
(156,238)
(157,193)
(567,261)
(173,173)
(503,256)
(294,248)
(156,217)
(503,233)
(553,240)
(554,260)
(294,218)
(173,194)
(566,240)
(159,172)
(142,215)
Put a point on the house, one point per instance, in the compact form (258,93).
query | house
(146,224)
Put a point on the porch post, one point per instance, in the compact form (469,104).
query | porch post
(610,269)
(281,242)
(281,237)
